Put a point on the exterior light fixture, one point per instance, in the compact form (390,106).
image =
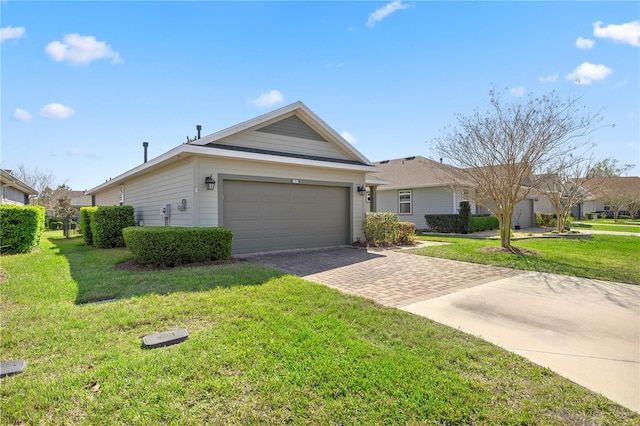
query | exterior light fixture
(361,190)
(210,183)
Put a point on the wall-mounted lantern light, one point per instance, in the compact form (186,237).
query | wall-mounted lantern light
(361,190)
(210,183)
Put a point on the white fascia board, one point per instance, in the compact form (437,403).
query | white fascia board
(188,150)
(446,186)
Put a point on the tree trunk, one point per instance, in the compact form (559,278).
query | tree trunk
(505,231)
(560,222)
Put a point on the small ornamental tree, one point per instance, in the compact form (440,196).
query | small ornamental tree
(498,154)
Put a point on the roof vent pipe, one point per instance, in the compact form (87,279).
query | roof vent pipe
(145,145)
(440,160)
(198,128)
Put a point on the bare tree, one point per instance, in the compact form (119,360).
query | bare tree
(41,181)
(564,184)
(502,153)
(616,191)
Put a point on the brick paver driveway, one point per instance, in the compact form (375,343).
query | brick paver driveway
(391,278)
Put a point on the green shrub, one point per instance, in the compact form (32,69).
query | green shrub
(85,224)
(484,223)
(171,246)
(464,217)
(445,223)
(406,233)
(546,220)
(381,228)
(107,223)
(20,227)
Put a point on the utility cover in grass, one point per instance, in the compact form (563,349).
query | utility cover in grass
(165,338)
(9,368)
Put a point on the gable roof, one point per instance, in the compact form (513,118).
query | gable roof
(296,118)
(413,172)
(9,180)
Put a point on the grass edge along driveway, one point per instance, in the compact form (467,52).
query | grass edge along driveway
(264,348)
(604,257)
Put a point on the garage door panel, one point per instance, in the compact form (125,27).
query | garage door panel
(267,216)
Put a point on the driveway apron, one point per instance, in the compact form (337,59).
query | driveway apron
(586,330)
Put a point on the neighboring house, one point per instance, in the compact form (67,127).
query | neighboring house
(77,199)
(283,180)
(609,194)
(419,186)
(14,191)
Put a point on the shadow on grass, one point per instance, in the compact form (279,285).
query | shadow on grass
(98,280)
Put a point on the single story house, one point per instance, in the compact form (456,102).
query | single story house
(15,191)
(283,180)
(419,186)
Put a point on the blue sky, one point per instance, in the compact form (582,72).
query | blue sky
(85,83)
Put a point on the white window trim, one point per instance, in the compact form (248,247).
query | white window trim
(404,192)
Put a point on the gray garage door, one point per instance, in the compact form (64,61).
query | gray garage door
(268,216)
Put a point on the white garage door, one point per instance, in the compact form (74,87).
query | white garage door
(267,216)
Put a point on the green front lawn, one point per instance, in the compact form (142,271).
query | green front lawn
(608,225)
(605,257)
(264,348)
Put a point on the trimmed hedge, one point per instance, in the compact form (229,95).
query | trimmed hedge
(484,223)
(453,223)
(85,224)
(171,245)
(381,228)
(464,212)
(445,223)
(21,227)
(106,224)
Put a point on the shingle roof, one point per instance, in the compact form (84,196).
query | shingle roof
(614,184)
(413,172)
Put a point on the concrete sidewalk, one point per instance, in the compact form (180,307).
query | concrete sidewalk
(586,330)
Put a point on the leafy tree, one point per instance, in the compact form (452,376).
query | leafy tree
(608,167)
(500,154)
(65,212)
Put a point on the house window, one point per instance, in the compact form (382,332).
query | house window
(121,195)
(404,202)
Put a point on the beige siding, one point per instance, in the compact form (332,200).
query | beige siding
(424,201)
(543,205)
(150,192)
(261,140)
(108,197)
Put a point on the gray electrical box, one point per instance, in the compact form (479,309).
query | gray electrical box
(165,211)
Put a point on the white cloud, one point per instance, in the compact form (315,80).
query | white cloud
(8,33)
(624,33)
(385,11)
(21,115)
(56,110)
(517,91)
(548,79)
(584,43)
(75,152)
(340,65)
(79,49)
(348,137)
(587,73)
(270,98)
